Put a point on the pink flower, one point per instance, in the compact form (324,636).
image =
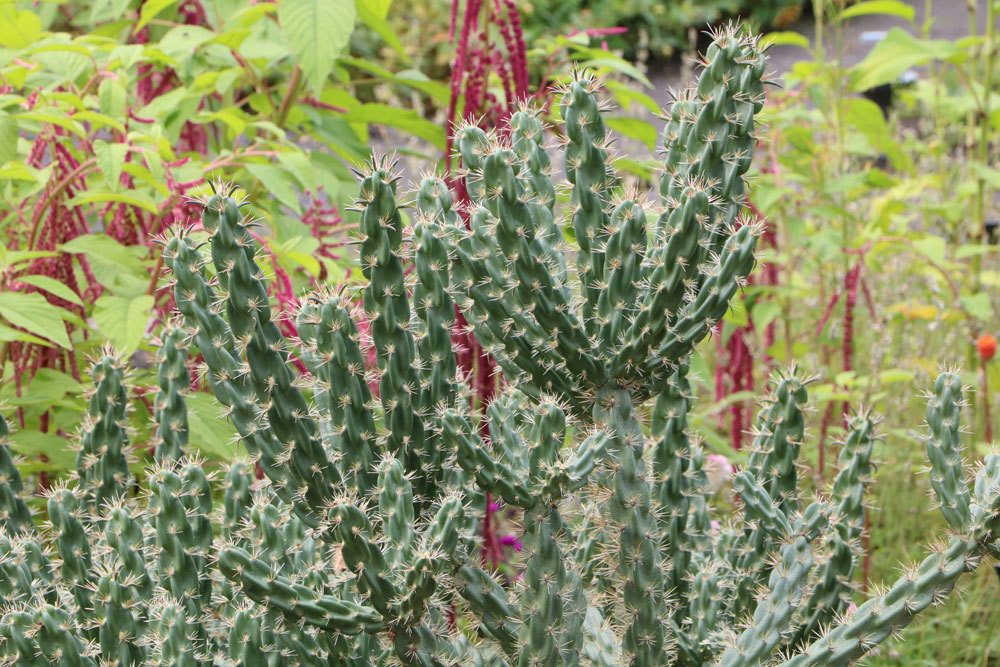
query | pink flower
(719,471)
(512,541)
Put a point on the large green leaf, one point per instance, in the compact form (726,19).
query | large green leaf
(879,7)
(34,314)
(897,52)
(209,431)
(58,450)
(18,27)
(150,9)
(52,286)
(123,320)
(111,159)
(406,120)
(317,31)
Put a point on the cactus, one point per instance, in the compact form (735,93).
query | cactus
(101,463)
(14,513)
(170,409)
(360,545)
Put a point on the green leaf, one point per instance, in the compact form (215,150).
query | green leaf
(52,286)
(933,247)
(373,13)
(18,27)
(988,175)
(407,120)
(137,199)
(897,52)
(979,306)
(209,431)
(634,128)
(57,449)
(114,265)
(882,7)
(150,9)
(110,158)
(278,183)
(317,31)
(111,96)
(123,320)
(47,388)
(8,138)
(34,314)
(784,38)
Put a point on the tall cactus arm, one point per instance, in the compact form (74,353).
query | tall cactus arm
(832,578)
(774,612)
(101,463)
(332,352)
(386,302)
(257,337)
(944,449)
(260,583)
(290,470)
(586,162)
(15,517)
(432,300)
(170,410)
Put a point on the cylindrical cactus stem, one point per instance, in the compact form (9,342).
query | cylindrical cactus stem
(434,308)
(262,584)
(432,557)
(639,565)
(918,588)
(522,255)
(774,611)
(527,138)
(180,504)
(101,463)
(490,605)
(332,352)
(66,513)
(709,133)
(709,306)
(25,570)
(42,636)
(236,497)
(258,338)
(880,617)
(831,591)
(675,482)
(482,287)
(624,273)
(432,300)
(15,517)
(229,380)
(549,634)
(944,450)
(175,628)
(170,409)
(778,434)
(587,169)
(386,303)
(124,588)
(664,288)
(246,644)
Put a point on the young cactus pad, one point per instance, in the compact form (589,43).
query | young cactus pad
(361,547)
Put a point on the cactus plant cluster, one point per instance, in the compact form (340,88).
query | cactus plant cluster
(360,545)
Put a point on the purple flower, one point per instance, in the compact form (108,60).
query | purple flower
(511,541)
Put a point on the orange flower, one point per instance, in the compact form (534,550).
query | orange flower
(986,346)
